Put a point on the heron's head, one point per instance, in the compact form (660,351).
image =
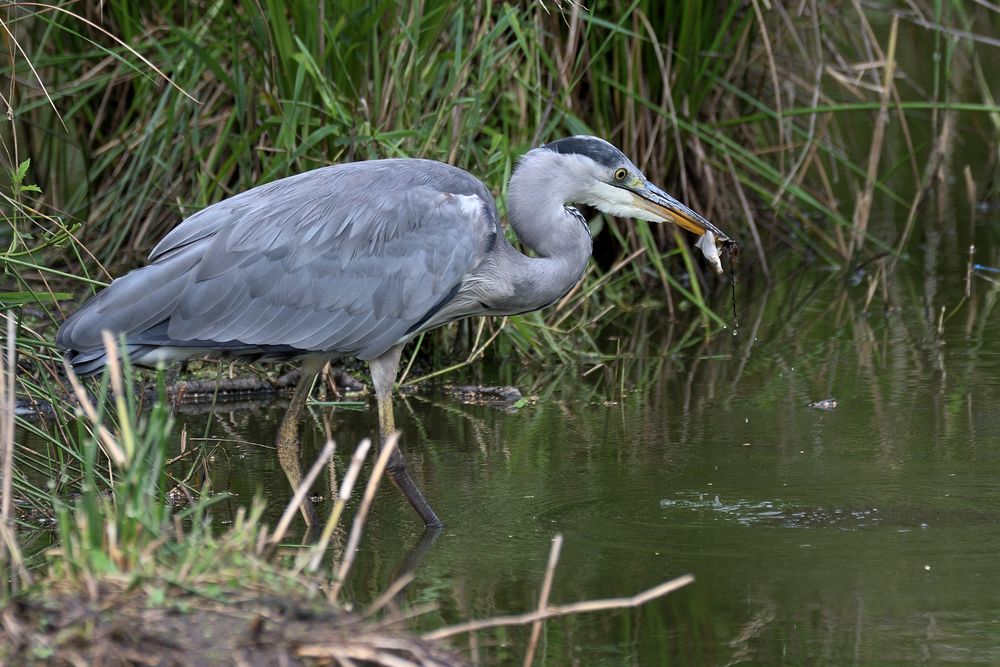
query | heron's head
(588,170)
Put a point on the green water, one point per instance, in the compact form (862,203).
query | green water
(865,534)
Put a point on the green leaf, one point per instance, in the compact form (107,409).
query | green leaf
(21,298)
(22,170)
(344,405)
(156,597)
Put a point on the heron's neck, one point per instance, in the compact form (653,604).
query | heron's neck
(558,236)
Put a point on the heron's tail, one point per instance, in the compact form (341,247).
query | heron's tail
(91,359)
(137,305)
(86,362)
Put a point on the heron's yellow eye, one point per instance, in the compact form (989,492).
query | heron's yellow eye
(621,173)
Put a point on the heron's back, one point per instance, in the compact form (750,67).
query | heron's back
(342,260)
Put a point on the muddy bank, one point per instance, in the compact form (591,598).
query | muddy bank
(150,623)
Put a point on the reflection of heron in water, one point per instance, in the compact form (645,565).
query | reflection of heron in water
(357,259)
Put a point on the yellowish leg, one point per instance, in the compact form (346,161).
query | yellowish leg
(287,439)
(384,370)
(386,418)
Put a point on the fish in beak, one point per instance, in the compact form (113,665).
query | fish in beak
(665,208)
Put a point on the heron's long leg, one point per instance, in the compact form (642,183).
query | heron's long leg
(287,440)
(384,369)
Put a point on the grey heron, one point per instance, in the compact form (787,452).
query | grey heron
(357,259)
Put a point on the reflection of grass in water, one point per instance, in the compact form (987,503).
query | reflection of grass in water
(343,405)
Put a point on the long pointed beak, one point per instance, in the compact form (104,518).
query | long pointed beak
(654,200)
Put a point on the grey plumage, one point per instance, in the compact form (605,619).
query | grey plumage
(355,259)
(300,265)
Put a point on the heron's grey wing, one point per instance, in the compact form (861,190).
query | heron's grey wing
(345,260)
(130,305)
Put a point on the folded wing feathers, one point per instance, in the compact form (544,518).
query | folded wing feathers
(342,259)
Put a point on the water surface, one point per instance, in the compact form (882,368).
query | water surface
(863,534)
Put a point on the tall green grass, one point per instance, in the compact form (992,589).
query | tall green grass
(750,113)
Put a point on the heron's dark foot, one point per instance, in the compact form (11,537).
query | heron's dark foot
(400,476)
(418,552)
(384,370)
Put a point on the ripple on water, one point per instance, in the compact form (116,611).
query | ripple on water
(773,512)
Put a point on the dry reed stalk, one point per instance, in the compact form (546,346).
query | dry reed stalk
(862,210)
(118,388)
(359,520)
(748,212)
(598,284)
(972,196)
(7,419)
(968,271)
(300,494)
(10,552)
(346,486)
(672,110)
(773,70)
(808,144)
(376,650)
(475,354)
(566,56)
(873,285)
(585,607)
(933,162)
(812,141)
(388,594)
(653,147)
(543,597)
(872,42)
(104,436)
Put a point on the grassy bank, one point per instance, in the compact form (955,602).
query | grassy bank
(139,571)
